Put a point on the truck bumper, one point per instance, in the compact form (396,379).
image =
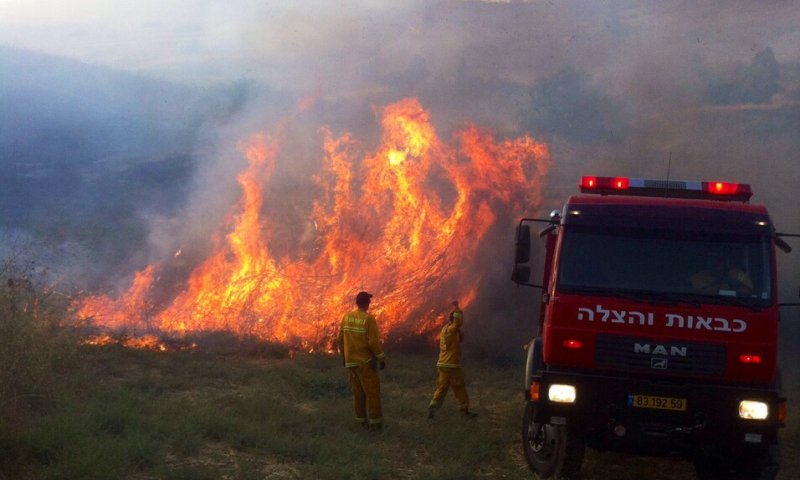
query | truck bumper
(680,415)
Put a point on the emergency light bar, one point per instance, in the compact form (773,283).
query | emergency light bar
(666,188)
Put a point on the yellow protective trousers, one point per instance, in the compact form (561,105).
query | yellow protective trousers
(450,377)
(366,386)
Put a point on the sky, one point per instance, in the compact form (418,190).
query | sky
(300,44)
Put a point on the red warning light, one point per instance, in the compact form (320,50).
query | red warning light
(588,182)
(721,191)
(747,358)
(573,344)
(620,183)
(605,183)
(722,188)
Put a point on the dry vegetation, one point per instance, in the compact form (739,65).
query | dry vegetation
(34,347)
(190,415)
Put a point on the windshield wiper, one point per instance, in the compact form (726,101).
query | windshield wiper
(610,292)
(751,303)
(665,298)
(636,296)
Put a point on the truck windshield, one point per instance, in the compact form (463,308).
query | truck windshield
(689,266)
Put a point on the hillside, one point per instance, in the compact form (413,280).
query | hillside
(88,151)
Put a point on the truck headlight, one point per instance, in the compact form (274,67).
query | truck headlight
(753,410)
(561,393)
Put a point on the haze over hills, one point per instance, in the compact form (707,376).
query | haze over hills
(88,152)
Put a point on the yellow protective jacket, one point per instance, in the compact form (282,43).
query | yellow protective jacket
(359,339)
(731,279)
(450,341)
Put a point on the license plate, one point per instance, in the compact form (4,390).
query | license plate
(657,402)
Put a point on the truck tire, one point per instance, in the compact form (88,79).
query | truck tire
(757,466)
(552,451)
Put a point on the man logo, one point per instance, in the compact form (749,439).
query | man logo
(658,363)
(671,350)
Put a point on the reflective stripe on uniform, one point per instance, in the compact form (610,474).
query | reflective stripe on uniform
(354,329)
(448,365)
(355,364)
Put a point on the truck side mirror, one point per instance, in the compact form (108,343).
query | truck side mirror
(523,246)
(521,274)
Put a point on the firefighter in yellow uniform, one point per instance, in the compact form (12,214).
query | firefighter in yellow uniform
(449,365)
(721,275)
(360,346)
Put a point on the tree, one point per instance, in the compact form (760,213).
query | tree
(566,105)
(756,83)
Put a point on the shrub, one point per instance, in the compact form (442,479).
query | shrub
(35,343)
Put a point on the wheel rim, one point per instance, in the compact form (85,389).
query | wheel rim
(542,440)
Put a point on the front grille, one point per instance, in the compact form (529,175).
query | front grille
(644,354)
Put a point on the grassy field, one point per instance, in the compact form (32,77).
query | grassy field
(133,414)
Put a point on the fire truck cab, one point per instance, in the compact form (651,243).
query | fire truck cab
(658,329)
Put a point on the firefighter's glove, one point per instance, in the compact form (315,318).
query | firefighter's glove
(383,364)
(373,363)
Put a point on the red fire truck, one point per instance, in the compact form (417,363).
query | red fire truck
(658,328)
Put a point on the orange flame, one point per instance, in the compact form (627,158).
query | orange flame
(405,223)
(144,342)
(129,310)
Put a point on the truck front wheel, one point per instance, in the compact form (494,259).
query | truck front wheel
(552,451)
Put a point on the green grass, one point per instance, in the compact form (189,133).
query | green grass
(132,414)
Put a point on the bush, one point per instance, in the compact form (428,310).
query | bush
(35,343)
